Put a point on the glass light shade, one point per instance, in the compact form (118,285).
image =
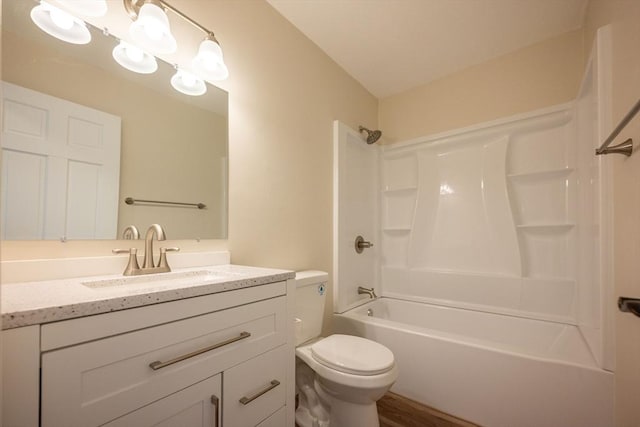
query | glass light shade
(134,59)
(209,62)
(86,7)
(151,30)
(60,24)
(188,83)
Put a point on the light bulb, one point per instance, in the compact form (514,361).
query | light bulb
(209,63)
(134,59)
(62,19)
(60,24)
(133,53)
(188,83)
(188,80)
(151,30)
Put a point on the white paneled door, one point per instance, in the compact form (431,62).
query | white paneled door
(60,168)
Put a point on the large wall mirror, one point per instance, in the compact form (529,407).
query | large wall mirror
(67,108)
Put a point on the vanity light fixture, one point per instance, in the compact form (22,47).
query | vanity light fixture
(86,7)
(134,59)
(150,32)
(150,28)
(208,63)
(60,24)
(188,83)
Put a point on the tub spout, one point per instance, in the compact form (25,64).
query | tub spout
(369,291)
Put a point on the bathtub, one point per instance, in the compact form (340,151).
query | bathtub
(490,369)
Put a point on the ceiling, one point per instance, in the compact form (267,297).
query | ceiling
(390,46)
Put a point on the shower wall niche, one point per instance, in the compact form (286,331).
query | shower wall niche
(485,217)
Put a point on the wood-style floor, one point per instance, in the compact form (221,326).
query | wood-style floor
(397,411)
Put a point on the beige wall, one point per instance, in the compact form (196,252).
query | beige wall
(541,75)
(624,15)
(284,95)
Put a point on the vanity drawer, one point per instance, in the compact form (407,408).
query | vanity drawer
(92,383)
(255,389)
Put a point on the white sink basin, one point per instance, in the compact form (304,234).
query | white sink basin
(159,279)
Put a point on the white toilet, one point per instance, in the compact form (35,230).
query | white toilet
(338,378)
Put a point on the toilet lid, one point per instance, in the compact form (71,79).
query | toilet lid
(353,355)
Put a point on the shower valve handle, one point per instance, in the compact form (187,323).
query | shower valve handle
(362,244)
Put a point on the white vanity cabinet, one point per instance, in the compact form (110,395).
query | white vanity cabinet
(223,359)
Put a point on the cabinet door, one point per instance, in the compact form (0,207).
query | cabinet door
(195,406)
(20,377)
(255,389)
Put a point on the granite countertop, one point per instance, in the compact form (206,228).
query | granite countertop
(32,303)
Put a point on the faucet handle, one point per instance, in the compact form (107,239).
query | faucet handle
(361,244)
(132,266)
(163,257)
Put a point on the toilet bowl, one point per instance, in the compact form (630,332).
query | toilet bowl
(339,378)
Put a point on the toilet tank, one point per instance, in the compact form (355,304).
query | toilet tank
(311,291)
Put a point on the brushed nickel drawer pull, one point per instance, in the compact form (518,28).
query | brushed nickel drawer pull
(245,400)
(159,365)
(216,414)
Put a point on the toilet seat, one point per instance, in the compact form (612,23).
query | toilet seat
(353,355)
(326,373)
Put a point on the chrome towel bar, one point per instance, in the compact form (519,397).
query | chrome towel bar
(625,147)
(132,201)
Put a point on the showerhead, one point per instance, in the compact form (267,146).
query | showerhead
(372,135)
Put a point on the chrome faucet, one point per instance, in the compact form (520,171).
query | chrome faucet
(148,266)
(369,291)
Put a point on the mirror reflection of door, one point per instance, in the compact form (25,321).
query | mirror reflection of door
(60,168)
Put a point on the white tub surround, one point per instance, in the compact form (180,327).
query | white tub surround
(485,218)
